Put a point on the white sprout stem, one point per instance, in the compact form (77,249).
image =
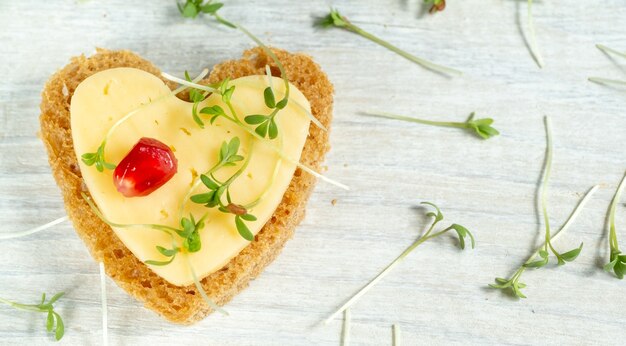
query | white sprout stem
(34,230)
(345,332)
(567,223)
(546,177)
(103,295)
(532,41)
(206,298)
(607,81)
(616,198)
(186,83)
(396,335)
(283,156)
(610,50)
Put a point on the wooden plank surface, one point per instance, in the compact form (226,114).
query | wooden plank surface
(438,295)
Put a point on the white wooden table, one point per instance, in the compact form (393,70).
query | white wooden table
(438,295)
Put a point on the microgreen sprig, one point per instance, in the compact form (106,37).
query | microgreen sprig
(617,260)
(606,81)
(480,127)
(335,19)
(266,124)
(513,283)
(544,251)
(54,322)
(228,156)
(461,232)
(570,255)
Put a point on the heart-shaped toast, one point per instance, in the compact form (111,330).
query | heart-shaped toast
(175,297)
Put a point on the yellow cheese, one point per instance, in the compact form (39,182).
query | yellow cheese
(105,97)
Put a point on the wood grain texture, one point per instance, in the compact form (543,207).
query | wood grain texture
(438,295)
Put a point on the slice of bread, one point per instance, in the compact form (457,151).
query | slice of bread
(182,304)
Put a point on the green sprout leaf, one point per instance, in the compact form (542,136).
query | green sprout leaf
(243,230)
(438,216)
(480,127)
(268,95)
(53,322)
(335,19)
(97,159)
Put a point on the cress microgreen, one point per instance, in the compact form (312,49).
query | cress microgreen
(54,322)
(437,216)
(532,40)
(570,255)
(97,158)
(513,283)
(335,19)
(605,81)
(479,127)
(266,124)
(617,260)
(544,250)
(227,156)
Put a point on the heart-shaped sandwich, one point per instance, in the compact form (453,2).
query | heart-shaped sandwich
(184,192)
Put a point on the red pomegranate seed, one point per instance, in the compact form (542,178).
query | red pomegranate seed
(149,165)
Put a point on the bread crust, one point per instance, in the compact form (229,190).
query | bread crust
(182,305)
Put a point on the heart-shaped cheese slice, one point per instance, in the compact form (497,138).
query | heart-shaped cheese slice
(105,97)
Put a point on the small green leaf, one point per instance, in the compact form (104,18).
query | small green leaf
(56,297)
(213,110)
(228,94)
(609,266)
(255,119)
(439,216)
(572,254)
(49,321)
(167,252)
(60,329)
(211,8)
(537,264)
(248,217)
(223,151)
(543,253)
(233,146)
(463,232)
(203,198)
(268,95)
(195,116)
(208,182)
(189,10)
(272,130)
(282,103)
(235,158)
(243,229)
(261,130)
(193,242)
